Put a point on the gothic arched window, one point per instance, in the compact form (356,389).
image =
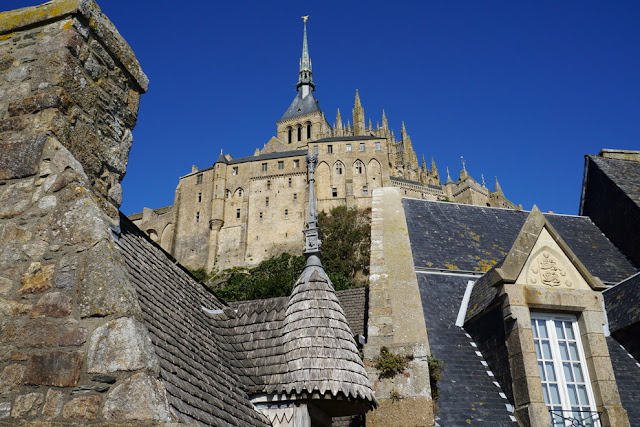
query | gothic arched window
(308,130)
(299,133)
(289,134)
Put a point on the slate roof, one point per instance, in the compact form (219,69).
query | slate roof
(468,394)
(204,371)
(451,236)
(301,106)
(627,372)
(624,173)
(348,138)
(623,303)
(354,302)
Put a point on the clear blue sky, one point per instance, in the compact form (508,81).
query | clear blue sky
(521,89)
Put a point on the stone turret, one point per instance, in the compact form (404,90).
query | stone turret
(358,116)
(74,347)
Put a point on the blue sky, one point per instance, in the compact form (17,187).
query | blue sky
(521,89)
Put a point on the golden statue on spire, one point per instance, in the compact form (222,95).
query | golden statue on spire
(304,18)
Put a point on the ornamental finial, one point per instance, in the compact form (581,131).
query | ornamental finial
(304,18)
(312,233)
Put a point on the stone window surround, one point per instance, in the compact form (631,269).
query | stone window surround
(264,167)
(518,303)
(329,149)
(348,149)
(296,164)
(281,164)
(363,146)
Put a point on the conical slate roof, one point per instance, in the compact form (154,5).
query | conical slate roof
(319,348)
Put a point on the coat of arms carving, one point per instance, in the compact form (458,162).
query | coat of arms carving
(546,269)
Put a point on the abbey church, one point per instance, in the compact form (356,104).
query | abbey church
(223,215)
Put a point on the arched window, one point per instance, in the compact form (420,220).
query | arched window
(299,133)
(308,130)
(228,194)
(290,134)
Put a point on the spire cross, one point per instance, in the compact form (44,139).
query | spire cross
(482,175)
(464,163)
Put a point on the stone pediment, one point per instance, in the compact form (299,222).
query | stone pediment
(540,257)
(274,146)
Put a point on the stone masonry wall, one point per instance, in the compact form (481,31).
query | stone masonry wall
(72,347)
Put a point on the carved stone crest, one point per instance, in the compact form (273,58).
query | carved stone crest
(546,271)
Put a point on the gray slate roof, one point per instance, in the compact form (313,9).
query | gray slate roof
(467,391)
(627,372)
(451,236)
(301,106)
(624,173)
(203,369)
(623,303)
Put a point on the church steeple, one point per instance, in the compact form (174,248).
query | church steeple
(305,76)
(358,116)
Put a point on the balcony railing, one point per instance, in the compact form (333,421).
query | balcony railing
(574,418)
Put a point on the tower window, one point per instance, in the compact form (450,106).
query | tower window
(348,148)
(234,171)
(266,202)
(199,178)
(289,182)
(260,216)
(197,216)
(377,146)
(199,197)
(264,167)
(240,192)
(299,133)
(365,190)
(295,197)
(339,169)
(228,194)
(308,130)
(237,213)
(289,135)
(359,167)
(296,164)
(281,164)
(286,214)
(268,184)
(329,149)
(334,192)
(362,146)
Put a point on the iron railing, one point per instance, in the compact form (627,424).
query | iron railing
(574,418)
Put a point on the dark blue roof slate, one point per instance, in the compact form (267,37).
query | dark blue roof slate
(268,156)
(468,394)
(408,181)
(301,106)
(348,138)
(624,173)
(627,372)
(474,238)
(623,303)
(202,367)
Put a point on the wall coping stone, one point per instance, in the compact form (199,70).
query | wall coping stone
(89,11)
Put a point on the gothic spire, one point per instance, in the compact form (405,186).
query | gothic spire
(305,76)
(498,189)
(424,164)
(449,180)
(358,116)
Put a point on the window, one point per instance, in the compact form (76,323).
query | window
(308,130)
(295,197)
(234,171)
(199,197)
(315,149)
(377,146)
(264,167)
(296,164)
(334,192)
(290,182)
(348,148)
(358,167)
(339,169)
(237,213)
(362,146)
(268,185)
(199,178)
(365,190)
(227,194)
(240,192)
(281,164)
(329,149)
(289,134)
(286,214)
(197,216)
(260,216)
(565,381)
(266,202)
(299,133)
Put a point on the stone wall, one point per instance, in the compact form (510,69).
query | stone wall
(72,347)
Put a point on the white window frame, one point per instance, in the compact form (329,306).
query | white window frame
(348,148)
(559,365)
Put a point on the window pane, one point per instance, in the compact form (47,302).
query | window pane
(542,329)
(559,330)
(577,371)
(568,372)
(543,377)
(545,393)
(551,373)
(546,349)
(564,353)
(582,392)
(538,355)
(573,350)
(569,331)
(573,394)
(554,394)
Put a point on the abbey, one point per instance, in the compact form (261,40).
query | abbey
(223,215)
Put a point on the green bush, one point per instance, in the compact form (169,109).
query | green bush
(388,364)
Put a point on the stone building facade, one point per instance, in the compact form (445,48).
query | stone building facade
(223,215)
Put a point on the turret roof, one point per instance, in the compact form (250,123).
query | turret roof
(301,106)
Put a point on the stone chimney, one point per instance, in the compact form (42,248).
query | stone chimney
(72,347)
